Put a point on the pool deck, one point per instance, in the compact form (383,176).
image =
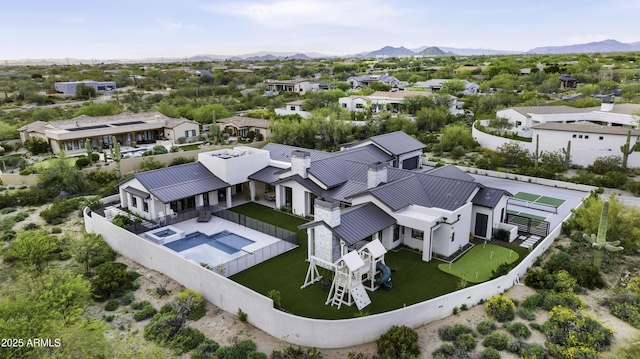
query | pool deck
(206,254)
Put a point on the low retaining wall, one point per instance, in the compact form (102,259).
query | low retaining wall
(230,296)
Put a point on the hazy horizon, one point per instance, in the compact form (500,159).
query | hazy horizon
(160,28)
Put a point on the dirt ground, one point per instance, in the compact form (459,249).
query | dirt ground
(226,328)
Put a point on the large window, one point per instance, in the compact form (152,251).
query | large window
(417,234)
(134,201)
(190,133)
(396,232)
(183,204)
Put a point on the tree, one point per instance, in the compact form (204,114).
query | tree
(515,155)
(413,104)
(36,145)
(84,92)
(150,164)
(500,124)
(111,277)
(399,342)
(431,119)
(453,86)
(91,250)
(501,307)
(32,250)
(61,176)
(457,135)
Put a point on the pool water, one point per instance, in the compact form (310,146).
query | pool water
(225,241)
(164,233)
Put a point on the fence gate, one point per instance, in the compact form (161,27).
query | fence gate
(529,225)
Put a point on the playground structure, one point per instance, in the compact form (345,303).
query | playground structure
(354,273)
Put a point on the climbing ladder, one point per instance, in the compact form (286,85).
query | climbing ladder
(340,286)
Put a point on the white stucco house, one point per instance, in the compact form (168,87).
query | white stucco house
(366,80)
(435,85)
(373,189)
(387,100)
(293,108)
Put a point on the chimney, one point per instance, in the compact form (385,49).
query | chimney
(329,212)
(376,174)
(607,104)
(300,162)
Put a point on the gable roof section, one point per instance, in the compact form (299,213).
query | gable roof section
(177,182)
(268,175)
(334,170)
(402,193)
(489,197)
(398,143)
(278,152)
(357,223)
(451,171)
(240,122)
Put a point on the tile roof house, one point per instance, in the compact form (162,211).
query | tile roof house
(240,126)
(366,80)
(386,100)
(129,129)
(374,189)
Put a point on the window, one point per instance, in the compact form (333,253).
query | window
(359,105)
(586,137)
(601,138)
(396,232)
(145,205)
(190,133)
(580,136)
(574,135)
(417,234)
(257,131)
(344,105)
(453,236)
(518,123)
(134,201)
(292,108)
(69,145)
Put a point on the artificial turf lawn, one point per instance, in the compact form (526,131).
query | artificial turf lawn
(413,280)
(476,265)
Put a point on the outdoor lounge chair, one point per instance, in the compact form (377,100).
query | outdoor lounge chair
(204,216)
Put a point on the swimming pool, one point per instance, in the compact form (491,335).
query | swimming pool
(225,241)
(164,233)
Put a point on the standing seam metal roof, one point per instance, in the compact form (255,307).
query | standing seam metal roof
(398,143)
(489,197)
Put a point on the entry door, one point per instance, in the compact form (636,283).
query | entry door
(481,225)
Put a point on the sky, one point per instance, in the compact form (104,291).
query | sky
(136,29)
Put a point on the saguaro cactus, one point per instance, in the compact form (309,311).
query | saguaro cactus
(116,155)
(87,146)
(599,242)
(567,155)
(537,153)
(626,150)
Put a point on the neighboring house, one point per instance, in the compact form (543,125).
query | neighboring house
(293,108)
(567,81)
(391,100)
(584,135)
(474,70)
(366,80)
(274,87)
(129,129)
(435,85)
(240,126)
(69,88)
(356,195)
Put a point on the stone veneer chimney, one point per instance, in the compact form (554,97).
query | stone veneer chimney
(607,104)
(300,162)
(376,174)
(329,212)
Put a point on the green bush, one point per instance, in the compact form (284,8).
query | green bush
(95,157)
(111,305)
(533,301)
(465,342)
(56,230)
(526,313)
(206,349)
(534,351)
(399,342)
(242,315)
(82,162)
(127,298)
(168,330)
(30,226)
(518,329)
(451,332)
(60,209)
(8,210)
(140,305)
(574,334)
(195,303)
(111,278)
(489,353)
(539,279)
(146,312)
(496,340)
(500,307)
(515,345)
(181,160)
(446,350)
(486,326)
(274,295)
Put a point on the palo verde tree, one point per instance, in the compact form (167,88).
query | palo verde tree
(61,176)
(599,242)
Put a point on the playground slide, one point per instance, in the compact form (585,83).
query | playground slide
(385,276)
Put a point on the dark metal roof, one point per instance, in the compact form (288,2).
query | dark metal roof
(447,193)
(357,223)
(489,197)
(402,193)
(177,182)
(451,171)
(334,170)
(376,151)
(345,192)
(137,192)
(398,143)
(305,182)
(268,175)
(278,152)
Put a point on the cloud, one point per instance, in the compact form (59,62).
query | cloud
(297,13)
(169,25)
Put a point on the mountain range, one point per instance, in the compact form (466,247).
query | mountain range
(387,51)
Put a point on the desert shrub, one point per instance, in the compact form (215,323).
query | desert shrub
(140,305)
(446,350)
(515,345)
(242,315)
(127,298)
(56,230)
(195,303)
(572,334)
(82,162)
(30,226)
(169,330)
(486,326)
(111,305)
(496,340)
(489,353)
(534,351)
(274,295)
(181,160)
(399,342)
(465,342)
(296,352)
(518,329)
(539,279)
(533,301)
(146,312)
(206,349)
(59,209)
(526,313)
(451,332)
(111,278)
(553,299)
(501,307)
(8,210)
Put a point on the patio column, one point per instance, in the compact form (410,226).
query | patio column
(229,199)
(199,200)
(278,197)
(252,189)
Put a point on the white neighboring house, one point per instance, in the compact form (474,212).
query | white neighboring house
(608,114)
(69,88)
(435,85)
(293,108)
(381,100)
(274,87)
(366,80)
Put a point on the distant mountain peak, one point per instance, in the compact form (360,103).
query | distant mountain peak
(608,45)
(391,51)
